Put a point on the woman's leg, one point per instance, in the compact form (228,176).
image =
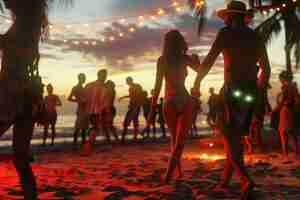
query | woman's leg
(183,125)
(171,121)
(22,134)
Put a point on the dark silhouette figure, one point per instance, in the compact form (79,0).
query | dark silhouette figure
(77,96)
(287,108)
(51,101)
(242,49)
(198,110)
(135,102)
(178,104)
(152,119)
(109,112)
(94,95)
(161,117)
(212,108)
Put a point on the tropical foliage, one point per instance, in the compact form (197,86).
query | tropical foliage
(285,18)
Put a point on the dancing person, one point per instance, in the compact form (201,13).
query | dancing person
(109,111)
(135,102)
(178,104)
(152,119)
(212,106)
(198,110)
(161,118)
(21,85)
(77,96)
(242,49)
(287,126)
(94,95)
(51,102)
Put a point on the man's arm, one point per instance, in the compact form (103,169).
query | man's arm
(123,97)
(209,60)
(72,97)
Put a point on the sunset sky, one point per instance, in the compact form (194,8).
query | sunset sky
(76,45)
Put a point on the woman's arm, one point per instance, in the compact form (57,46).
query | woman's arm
(158,80)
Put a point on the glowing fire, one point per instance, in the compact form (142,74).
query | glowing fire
(204,156)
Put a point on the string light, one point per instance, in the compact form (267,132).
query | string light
(111,38)
(175,3)
(131,29)
(160,11)
(174,7)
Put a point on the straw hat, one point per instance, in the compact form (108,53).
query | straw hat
(237,7)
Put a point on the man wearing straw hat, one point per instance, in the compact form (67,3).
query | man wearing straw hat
(242,49)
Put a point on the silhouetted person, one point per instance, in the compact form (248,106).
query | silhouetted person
(152,119)
(109,112)
(51,102)
(77,95)
(94,94)
(198,110)
(161,118)
(287,108)
(135,102)
(242,49)
(212,107)
(178,105)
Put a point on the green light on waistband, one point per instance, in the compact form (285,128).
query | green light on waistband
(249,98)
(237,93)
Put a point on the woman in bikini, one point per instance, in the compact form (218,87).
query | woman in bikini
(179,105)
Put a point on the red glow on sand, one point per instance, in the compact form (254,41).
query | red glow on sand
(204,156)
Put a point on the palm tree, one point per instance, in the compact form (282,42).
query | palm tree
(199,9)
(19,76)
(286,19)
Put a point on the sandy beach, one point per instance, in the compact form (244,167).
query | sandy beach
(133,172)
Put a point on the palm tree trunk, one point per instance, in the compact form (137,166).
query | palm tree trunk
(287,49)
(288,59)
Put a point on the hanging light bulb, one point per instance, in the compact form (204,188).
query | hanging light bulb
(132,30)
(160,11)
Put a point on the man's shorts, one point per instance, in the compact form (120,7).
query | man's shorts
(82,121)
(132,115)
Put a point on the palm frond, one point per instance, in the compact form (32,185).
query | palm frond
(297,55)
(199,13)
(270,28)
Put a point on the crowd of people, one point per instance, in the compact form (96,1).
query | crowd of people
(96,110)
(237,112)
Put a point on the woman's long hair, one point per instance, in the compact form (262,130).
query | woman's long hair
(174,48)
